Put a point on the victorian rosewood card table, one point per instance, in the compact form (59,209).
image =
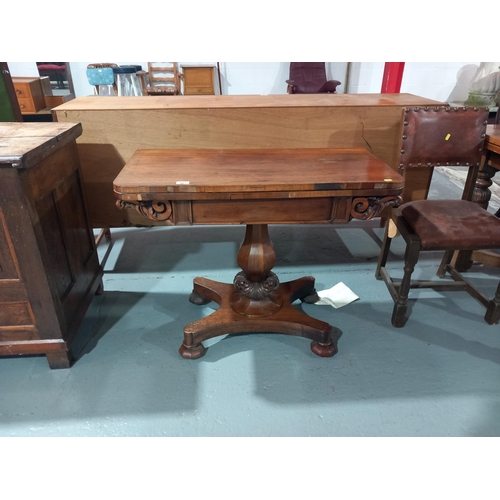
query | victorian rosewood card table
(256,187)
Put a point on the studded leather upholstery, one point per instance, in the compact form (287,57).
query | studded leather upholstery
(442,136)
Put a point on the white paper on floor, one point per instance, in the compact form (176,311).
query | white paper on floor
(338,296)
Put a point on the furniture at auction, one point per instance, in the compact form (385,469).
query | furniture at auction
(9,105)
(163,80)
(310,78)
(56,71)
(29,94)
(489,167)
(490,164)
(102,78)
(49,270)
(256,187)
(432,137)
(114,127)
(198,80)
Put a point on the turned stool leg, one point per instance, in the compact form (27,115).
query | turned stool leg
(492,316)
(401,306)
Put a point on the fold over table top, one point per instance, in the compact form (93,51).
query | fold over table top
(204,174)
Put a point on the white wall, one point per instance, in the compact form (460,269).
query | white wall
(445,81)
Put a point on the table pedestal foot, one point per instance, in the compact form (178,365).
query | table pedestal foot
(192,352)
(286,320)
(198,300)
(312,298)
(324,350)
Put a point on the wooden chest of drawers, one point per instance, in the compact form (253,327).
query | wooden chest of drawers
(49,269)
(198,80)
(29,94)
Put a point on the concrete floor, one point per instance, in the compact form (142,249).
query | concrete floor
(438,376)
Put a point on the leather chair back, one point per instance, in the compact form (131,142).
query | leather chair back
(309,77)
(442,136)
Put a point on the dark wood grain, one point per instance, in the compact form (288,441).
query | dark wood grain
(115,127)
(49,270)
(256,187)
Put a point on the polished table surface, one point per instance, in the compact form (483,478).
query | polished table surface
(256,187)
(115,127)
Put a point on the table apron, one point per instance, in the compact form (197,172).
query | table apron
(317,210)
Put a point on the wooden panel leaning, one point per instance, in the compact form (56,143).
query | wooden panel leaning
(49,269)
(115,127)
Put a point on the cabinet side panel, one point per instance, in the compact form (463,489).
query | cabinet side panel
(24,293)
(56,260)
(9,268)
(64,235)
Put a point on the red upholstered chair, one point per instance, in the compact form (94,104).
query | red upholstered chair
(440,137)
(310,78)
(56,71)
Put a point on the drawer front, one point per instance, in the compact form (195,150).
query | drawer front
(198,90)
(16,314)
(23,90)
(26,105)
(201,77)
(283,211)
(199,81)
(17,321)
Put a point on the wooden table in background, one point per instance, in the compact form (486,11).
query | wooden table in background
(256,187)
(114,127)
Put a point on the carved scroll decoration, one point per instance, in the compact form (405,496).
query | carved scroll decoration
(372,206)
(255,291)
(153,210)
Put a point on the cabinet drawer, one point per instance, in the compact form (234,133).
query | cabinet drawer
(22,90)
(29,94)
(198,90)
(26,105)
(15,314)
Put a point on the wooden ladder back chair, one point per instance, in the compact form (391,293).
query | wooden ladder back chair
(432,137)
(163,80)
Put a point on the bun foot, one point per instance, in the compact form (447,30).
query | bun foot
(324,350)
(193,352)
(198,300)
(311,299)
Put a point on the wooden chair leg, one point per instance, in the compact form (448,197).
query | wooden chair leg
(492,316)
(399,316)
(448,254)
(105,232)
(384,252)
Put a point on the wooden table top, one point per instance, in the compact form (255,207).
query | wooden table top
(123,103)
(252,171)
(25,144)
